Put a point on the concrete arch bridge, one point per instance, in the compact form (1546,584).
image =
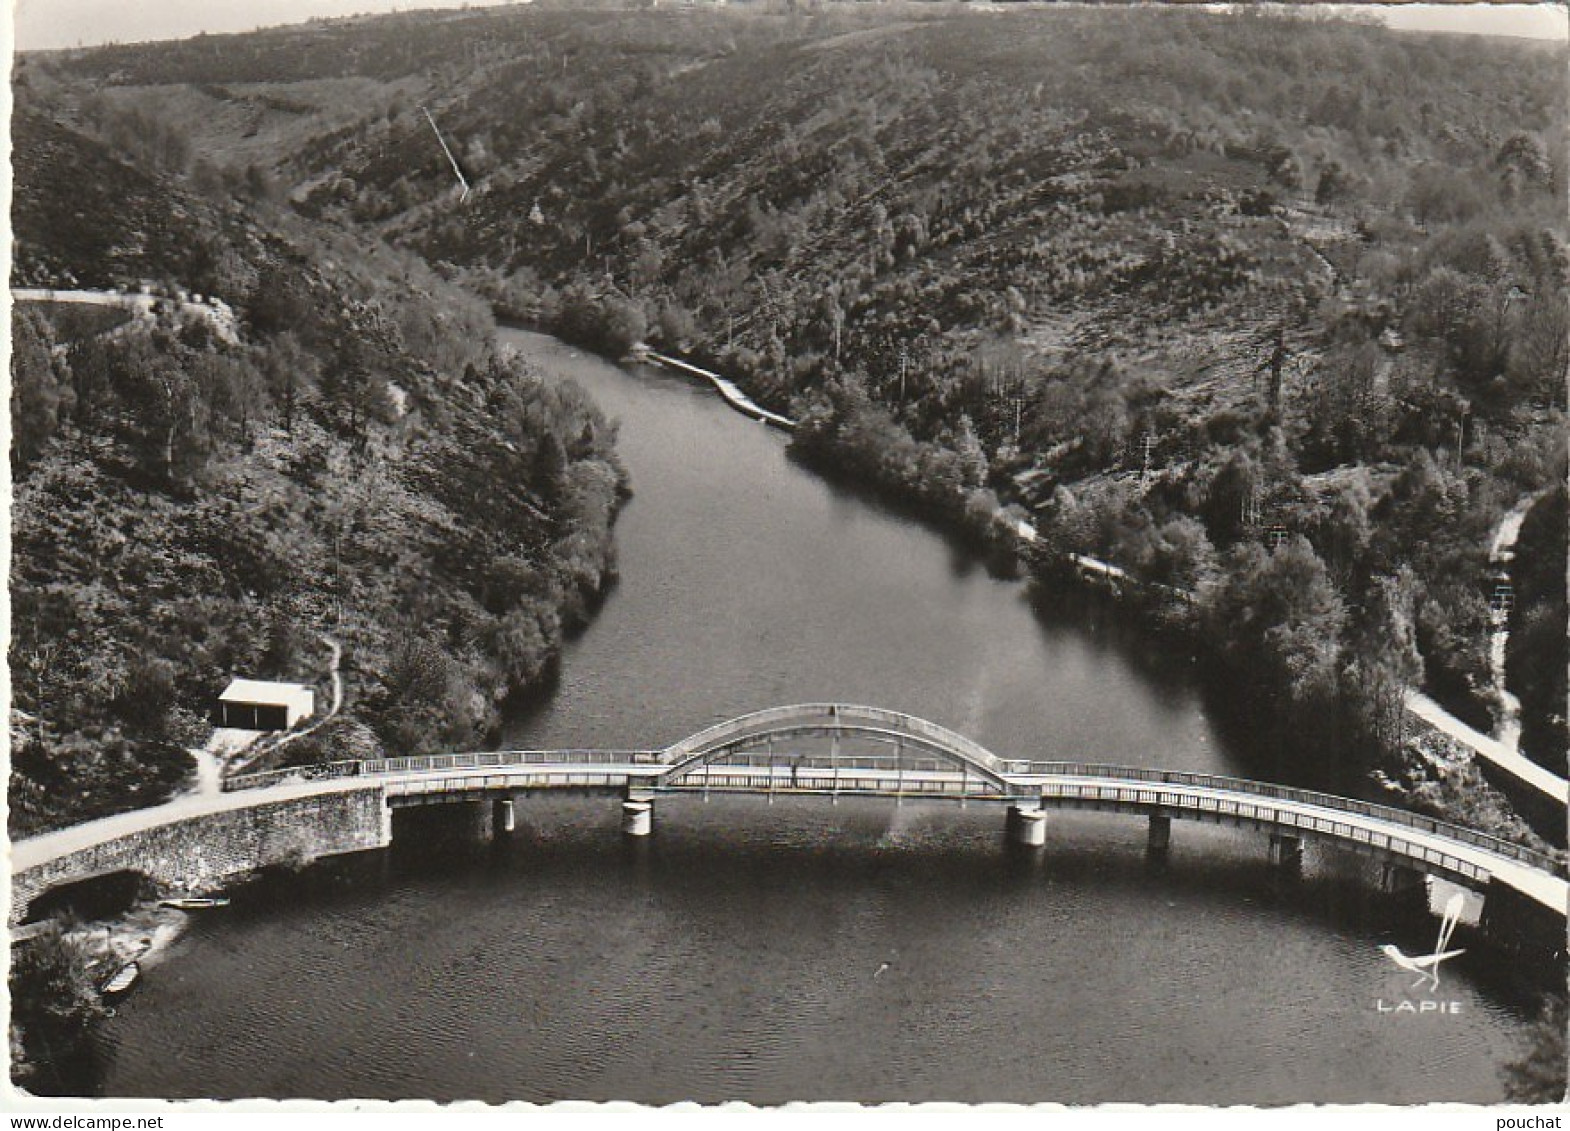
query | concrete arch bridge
(823,749)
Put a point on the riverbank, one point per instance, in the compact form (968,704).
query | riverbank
(143,935)
(857,440)
(747,581)
(732,393)
(446,564)
(57,998)
(1392,763)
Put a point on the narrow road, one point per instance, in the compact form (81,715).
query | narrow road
(216,313)
(1500,554)
(337,680)
(209,773)
(1491,750)
(40,849)
(212,760)
(1502,751)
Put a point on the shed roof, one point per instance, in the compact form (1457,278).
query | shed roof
(262,691)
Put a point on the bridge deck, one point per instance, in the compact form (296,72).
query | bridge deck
(1314,820)
(1426,848)
(1433,850)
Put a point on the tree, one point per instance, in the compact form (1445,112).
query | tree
(54,1005)
(147,701)
(1384,660)
(41,392)
(351,383)
(611,322)
(1333,183)
(1340,411)
(1523,160)
(677,327)
(1442,194)
(1538,1075)
(548,467)
(1232,499)
(1539,349)
(428,698)
(168,415)
(1346,529)
(231,390)
(1279,619)
(523,642)
(1182,555)
(1465,315)
(972,459)
(280,304)
(291,373)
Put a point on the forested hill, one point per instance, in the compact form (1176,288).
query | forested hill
(1260,306)
(360,468)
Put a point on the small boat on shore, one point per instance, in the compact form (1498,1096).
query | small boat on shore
(195,902)
(123,979)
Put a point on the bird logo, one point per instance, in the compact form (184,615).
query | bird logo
(1426,966)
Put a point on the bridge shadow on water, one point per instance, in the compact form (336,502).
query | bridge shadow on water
(739,856)
(1173,669)
(803,950)
(98,897)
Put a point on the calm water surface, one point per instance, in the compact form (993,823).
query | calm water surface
(802,950)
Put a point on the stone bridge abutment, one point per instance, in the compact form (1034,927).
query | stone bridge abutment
(208,847)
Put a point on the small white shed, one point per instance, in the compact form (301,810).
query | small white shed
(259,704)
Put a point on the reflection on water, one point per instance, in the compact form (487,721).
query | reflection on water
(807,950)
(803,950)
(747,582)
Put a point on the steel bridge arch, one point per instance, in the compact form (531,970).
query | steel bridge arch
(816,719)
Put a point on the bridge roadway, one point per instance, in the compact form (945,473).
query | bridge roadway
(870,752)
(1105,788)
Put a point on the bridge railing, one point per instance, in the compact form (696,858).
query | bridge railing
(832,714)
(1266,814)
(319,772)
(586,778)
(851,781)
(478,760)
(484,760)
(504,758)
(1387,813)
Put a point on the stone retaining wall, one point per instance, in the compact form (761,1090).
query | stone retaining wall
(201,850)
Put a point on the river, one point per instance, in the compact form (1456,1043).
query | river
(801,950)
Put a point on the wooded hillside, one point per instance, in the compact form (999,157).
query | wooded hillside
(361,467)
(1263,307)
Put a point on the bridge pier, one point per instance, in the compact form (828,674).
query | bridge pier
(1397,879)
(503,819)
(1285,851)
(1159,839)
(637,818)
(1519,923)
(1027,827)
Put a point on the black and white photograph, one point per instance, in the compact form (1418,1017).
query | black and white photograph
(788,552)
